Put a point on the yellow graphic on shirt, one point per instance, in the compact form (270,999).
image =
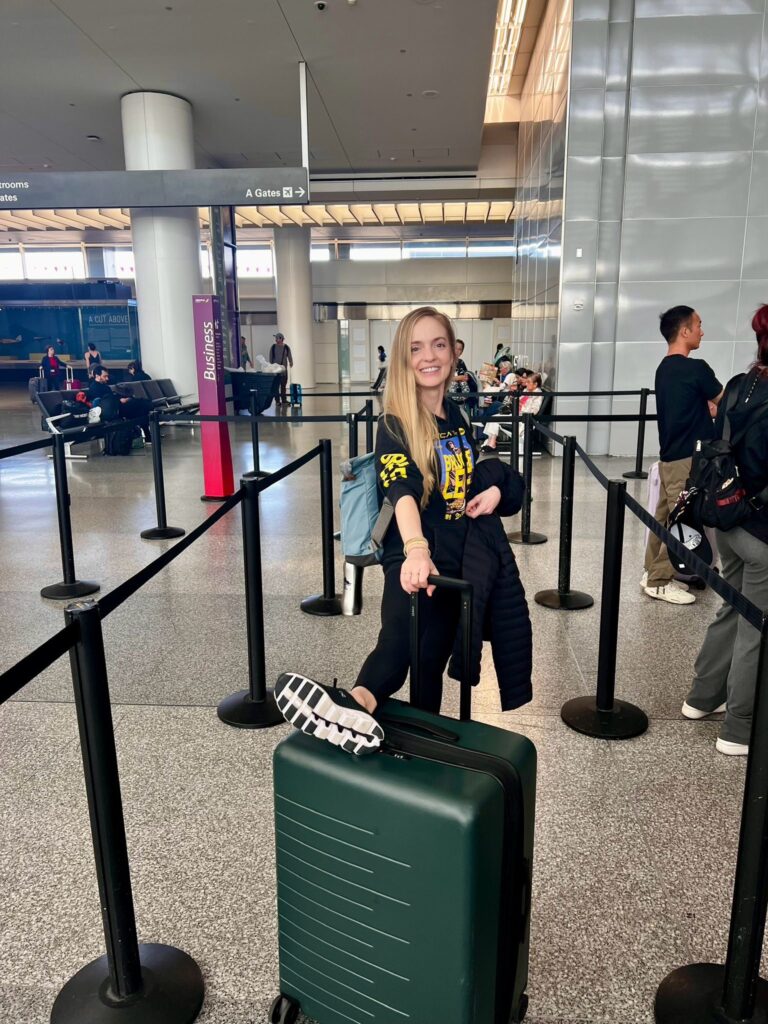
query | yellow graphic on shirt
(395,467)
(456,465)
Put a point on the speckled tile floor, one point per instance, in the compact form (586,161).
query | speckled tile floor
(635,842)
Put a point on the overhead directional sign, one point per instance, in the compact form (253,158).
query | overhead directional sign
(71,190)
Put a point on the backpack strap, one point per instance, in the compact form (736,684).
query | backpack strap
(733,401)
(383,520)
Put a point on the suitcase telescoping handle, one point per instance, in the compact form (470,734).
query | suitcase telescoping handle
(465,692)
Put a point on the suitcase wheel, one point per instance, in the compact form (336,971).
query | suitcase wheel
(283,1011)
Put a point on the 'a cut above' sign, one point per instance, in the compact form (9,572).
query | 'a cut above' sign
(70,190)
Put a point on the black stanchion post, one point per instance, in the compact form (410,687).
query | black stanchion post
(329,602)
(352,433)
(525,535)
(369,426)
(255,437)
(255,707)
(136,984)
(605,717)
(564,597)
(71,586)
(735,992)
(514,441)
(162,531)
(637,473)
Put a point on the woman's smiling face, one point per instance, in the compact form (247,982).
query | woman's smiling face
(432,356)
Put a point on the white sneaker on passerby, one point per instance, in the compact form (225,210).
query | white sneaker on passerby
(670,594)
(734,749)
(695,713)
(675,583)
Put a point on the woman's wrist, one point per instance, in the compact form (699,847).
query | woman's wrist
(415,544)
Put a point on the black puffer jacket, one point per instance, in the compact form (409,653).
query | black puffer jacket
(752,450)
(500,610)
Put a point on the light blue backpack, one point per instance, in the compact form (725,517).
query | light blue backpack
(365,518)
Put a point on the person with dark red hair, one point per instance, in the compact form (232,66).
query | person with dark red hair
(725,671)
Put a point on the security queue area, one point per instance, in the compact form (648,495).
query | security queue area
(635,841)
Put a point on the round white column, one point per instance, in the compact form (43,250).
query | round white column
(158,135)
(293,280)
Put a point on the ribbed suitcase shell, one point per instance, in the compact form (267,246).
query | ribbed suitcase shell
(389,879)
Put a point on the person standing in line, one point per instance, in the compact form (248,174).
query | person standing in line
(281,354)
(426,466)
(92,358)
(725,670)
(245,355)
(687,393)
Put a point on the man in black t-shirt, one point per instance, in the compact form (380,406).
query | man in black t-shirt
(687,393)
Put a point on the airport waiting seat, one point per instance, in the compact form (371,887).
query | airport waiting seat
(53,420)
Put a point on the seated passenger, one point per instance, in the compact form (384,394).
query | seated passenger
(530,402)
(127,408)
(136,372)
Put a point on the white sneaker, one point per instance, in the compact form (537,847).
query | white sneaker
(670,594)
(695,714)
(674,583)
(735,749)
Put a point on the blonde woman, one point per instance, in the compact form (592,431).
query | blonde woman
(425,458)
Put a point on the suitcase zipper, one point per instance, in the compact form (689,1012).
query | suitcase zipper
(446,752)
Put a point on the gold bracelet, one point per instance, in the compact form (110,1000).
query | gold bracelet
(415,542)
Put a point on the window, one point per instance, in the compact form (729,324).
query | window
(11,267)
(254,262)
(54,264)
(374,252)
(504,248)
(119,263)
(434,250)
(320,254)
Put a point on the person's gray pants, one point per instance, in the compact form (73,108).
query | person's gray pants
(726,667)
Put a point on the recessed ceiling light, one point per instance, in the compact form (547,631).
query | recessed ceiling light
(46,165)
(393,158)
(72,104)
(430,93)
(93,138)
(403,51)
(409,94)
(237,99)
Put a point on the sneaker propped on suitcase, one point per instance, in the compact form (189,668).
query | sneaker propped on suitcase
(327,713)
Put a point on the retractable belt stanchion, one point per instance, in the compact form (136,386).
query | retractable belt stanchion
(369,426)
(257,470)
(735,992)
(329,602)
(514,441)
(133,983)
(525,534)
(352,435)
(162,531)
(255,707)
(605,717)
(71,586)
(637,473)
(564,597)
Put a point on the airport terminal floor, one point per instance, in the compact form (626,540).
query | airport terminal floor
(635,841)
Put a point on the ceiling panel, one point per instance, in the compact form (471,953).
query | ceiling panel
(65,64)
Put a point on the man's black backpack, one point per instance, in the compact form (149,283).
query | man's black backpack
(715,494)
(118,440)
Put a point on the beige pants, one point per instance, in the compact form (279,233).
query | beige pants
(672,480)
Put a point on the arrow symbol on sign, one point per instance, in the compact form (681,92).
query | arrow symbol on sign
(301,191)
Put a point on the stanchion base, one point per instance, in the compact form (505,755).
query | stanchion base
(172,994)
(621,723)
(569,600)
(527,538)
(244,713)
(163,533)
(66,591)
(211,497)
(635,475)
(319,605)
(694,995)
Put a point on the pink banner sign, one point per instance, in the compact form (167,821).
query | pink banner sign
(209,352)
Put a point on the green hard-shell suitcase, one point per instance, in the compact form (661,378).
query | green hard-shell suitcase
(404,877)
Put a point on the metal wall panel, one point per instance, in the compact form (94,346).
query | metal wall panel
(687,184)
(696,8)
(640,304)
(692,119)
(701,50)
(701,249)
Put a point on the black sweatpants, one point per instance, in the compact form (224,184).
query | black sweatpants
(386,667)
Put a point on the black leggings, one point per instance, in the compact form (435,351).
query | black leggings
(386,667)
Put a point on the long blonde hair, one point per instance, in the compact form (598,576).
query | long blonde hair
(416,425)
